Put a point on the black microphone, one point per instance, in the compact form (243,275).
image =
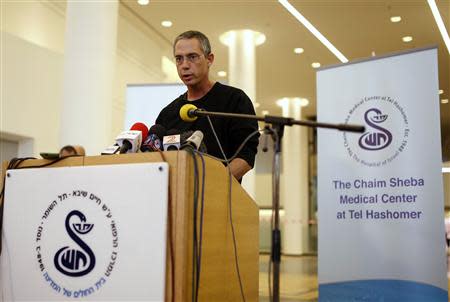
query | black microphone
(153,142)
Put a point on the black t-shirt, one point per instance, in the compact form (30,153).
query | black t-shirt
(230,131)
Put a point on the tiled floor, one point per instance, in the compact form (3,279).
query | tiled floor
(298,281)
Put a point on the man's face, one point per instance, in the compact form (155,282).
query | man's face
(192,63)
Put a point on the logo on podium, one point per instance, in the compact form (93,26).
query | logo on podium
(80,261)
(69,244)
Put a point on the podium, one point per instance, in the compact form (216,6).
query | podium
(219,279)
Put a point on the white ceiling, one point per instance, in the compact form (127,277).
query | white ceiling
(355,27)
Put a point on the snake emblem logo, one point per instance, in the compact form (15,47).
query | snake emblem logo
(377,137)
(71,261)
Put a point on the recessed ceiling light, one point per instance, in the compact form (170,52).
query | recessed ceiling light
(441,91)
(143,2)
(222,73)
(444,101)
(315,65)
(294,12)
(407,39)
(265,112)
(256,105)
(396,19)
(298,50)
(166,23)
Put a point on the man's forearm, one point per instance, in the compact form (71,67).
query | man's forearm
(239,167)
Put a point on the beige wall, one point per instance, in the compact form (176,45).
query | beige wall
(31,93)
(32,70)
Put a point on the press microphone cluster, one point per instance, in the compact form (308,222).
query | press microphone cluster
(157,138)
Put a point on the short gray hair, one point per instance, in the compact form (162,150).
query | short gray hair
(192,34)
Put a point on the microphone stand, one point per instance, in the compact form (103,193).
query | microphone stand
(278,123)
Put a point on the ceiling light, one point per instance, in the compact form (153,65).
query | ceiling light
(265,112)
(256,105)
(407,39)
(222,73)
(396,19)
(166,23)
(441,91)
(298,50)
(315,65)
(440,24)
(444,101)
(313,30)
(143,2)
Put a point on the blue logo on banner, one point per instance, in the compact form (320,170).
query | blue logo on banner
(72,261)
(377,137)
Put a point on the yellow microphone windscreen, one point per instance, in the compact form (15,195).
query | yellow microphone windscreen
(184,113)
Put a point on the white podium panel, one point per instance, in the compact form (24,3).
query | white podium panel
(86,233)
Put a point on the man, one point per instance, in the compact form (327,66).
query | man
(193,59)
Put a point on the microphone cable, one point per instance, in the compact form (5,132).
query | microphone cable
(236,259)
(241,146)
(200,236)
(197,234)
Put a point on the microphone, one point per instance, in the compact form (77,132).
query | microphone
(111,150)
(194,141)
(153,141)
(187,112)
(171,142)
(130,141)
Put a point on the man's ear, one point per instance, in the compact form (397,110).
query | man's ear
(210,59)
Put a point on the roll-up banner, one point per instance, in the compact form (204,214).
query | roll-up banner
(380,193)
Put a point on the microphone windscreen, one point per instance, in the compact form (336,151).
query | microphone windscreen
(184,113)
(158,130)
(140,127)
